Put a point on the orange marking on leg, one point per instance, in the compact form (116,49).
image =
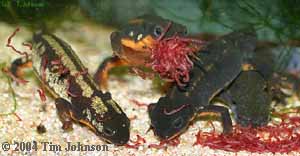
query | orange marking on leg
(102,75)
(82,121)
(88,124)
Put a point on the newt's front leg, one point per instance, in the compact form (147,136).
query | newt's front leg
(225,116)
(64,112)
(16,69)
(19,64)
(101,74)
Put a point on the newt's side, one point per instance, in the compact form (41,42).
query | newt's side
(77,96)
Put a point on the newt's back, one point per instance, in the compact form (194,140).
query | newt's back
(76,94)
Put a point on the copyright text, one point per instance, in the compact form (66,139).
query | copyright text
(49,146)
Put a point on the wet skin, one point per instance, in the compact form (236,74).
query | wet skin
(132,44)
(249,98)
(216,68)
(77,96)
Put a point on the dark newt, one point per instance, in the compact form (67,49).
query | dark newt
(249,98)
(130,49)
(77,96)
(249,95)
(132,44)
(217,66)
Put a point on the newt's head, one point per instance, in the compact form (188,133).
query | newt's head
(134,41)
(169,118)
(108,120)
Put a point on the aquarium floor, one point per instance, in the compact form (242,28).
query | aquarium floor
(92,45)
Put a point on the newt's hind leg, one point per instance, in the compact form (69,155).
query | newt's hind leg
(16,69)
(63,108)
(225,116)
(101,74)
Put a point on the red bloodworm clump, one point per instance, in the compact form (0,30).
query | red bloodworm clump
(280,137)
(135,144)
(170,57)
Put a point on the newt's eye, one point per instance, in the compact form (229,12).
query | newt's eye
(177,123)
(108,132)
(131,34)
(157,30)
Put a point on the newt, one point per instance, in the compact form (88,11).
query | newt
(249,97)
(216,68)
(132,44)
(77,96)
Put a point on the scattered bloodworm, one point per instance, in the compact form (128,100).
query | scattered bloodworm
(8,44)
(172,142)
(27,45)
(18,117)
(42,95)
(174,110)
(139,104)
(135,144)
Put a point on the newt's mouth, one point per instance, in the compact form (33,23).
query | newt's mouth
(122,44)
(143,45)
(134,52)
